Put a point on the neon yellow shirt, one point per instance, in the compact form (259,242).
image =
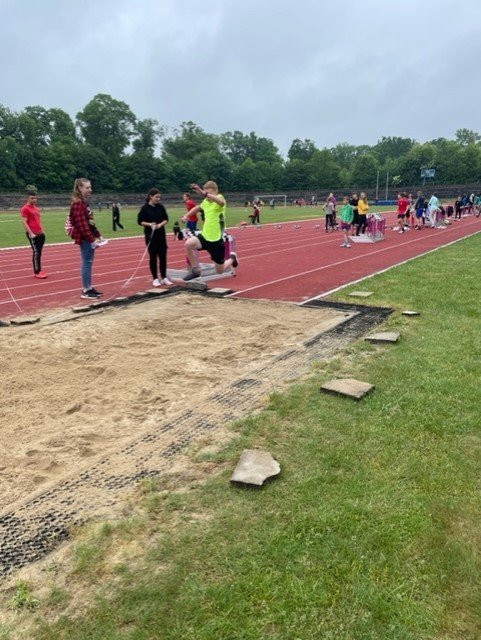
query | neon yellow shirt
(214,219)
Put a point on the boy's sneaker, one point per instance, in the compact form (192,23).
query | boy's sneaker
(156,282)
(166,282)
(40,275)
(193,273)
(97,293)
(235,261)
(89,295)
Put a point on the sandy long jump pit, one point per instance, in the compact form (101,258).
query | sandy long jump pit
(75,392)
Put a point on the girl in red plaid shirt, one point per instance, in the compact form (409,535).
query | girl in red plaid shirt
(85,234)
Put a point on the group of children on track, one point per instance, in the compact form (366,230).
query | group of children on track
(80,226)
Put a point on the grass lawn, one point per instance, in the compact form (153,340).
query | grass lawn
(12,233)
(371,532)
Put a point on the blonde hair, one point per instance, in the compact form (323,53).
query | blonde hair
(76,195)
(210,184)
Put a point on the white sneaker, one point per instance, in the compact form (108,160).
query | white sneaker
(156,283)
(166,282)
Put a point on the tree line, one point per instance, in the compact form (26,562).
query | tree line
(120,152)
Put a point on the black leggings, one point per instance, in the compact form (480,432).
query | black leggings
(361,223)
(116,222)
(37,246)
(158,252)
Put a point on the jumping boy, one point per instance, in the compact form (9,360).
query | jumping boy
(213,207)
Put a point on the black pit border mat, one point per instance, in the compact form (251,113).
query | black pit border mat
(31,529)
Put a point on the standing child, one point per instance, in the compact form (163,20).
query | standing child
(330,209)
(347,218)
(190,218)
(154,218)
(32,221)
(363,208)
(402,211)
(255,215)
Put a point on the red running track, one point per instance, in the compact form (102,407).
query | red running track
(288,264)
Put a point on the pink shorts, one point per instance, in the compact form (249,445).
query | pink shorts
(345,226)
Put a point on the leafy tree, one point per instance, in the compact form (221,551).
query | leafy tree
(212,165)
(323,171)
(188,141)
(344,154)
(55,167)
(147,133)
(238,147)
(467,136)
(107,124)
(421,156)
(99,167)
(392,147)
(295,175)
(140,171)
(364,171)
(301,150)
(9,149)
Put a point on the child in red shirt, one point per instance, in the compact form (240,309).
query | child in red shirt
(32,221)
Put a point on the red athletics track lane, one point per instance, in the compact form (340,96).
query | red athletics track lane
(277,264)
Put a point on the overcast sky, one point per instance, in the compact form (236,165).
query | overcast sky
(350,71)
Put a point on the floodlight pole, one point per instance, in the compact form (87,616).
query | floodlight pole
(377,186)
(387,184)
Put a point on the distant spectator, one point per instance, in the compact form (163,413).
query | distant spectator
(420,207)
(255,215)
(190,217)
(116,216)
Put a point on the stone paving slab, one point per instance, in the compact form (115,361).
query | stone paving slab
(196,286)
(255,467)
(390,337)
(220,291)
(348,387)
(411,313)
(24,320)
(157,292)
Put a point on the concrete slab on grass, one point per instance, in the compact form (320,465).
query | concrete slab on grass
(390,337)
(360,294)
(411,313)
(255,467)
(348,387)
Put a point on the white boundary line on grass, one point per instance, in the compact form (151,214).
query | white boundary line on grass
(343,286)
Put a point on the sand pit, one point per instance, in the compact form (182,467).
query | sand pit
(78,390)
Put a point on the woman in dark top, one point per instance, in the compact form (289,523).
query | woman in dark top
(153,217)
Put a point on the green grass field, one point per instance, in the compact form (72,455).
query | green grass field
(12,233)
(370,533)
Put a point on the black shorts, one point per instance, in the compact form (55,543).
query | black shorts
(216,249)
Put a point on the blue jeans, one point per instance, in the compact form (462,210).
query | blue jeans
(87,254)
